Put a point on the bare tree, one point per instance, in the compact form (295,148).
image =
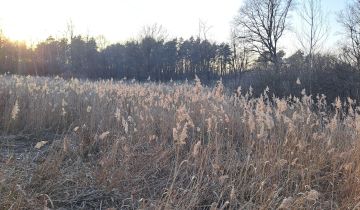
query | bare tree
(241,51)
(264,22)
(350,20)
(70,28)
(102,42)
(69,33)
(155,31)
(314,28)
(204,29)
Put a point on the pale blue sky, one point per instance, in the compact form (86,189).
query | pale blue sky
(331,9)
(120,20)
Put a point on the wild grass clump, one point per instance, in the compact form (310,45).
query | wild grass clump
(176,146)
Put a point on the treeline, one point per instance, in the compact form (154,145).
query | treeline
(327,75)
(149,57)
(178,59)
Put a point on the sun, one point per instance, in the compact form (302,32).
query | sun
(31,22)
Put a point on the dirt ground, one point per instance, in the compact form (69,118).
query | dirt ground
(19,147)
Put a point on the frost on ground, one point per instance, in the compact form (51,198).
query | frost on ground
(96,145)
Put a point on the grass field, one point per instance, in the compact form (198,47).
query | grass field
(123,145)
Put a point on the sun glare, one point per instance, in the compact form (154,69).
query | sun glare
(31,22)
(117,20)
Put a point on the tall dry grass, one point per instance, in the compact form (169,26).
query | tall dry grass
(176,146)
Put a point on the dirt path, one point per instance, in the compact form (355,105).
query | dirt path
(19,146)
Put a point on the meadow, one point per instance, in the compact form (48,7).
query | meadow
(77,144)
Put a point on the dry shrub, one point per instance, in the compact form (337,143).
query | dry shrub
(177,146)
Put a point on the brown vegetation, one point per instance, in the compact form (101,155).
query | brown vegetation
(175,146)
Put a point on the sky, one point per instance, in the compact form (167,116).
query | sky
(121,20)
